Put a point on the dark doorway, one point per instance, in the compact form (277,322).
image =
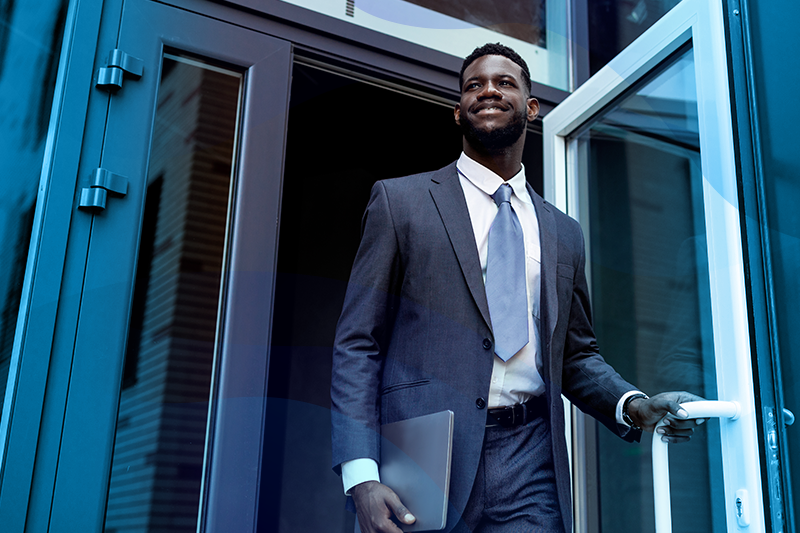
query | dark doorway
(343,135)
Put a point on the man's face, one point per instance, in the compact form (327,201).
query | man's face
(495,104)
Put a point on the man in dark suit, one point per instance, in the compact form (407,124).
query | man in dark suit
(448,307)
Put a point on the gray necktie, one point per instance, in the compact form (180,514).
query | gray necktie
(505,278)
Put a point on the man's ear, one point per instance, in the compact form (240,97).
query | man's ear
(457,113)
(533,109)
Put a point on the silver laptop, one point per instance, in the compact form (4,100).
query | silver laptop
(415,463)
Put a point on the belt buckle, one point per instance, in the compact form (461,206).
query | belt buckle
(497,415)
(500,415)
(508,409)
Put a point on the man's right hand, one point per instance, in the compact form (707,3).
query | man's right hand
(375,505)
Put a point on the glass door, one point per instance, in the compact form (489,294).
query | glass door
(642,155)
(163,427)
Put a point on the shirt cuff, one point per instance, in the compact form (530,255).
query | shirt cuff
(358,471)
(620,403)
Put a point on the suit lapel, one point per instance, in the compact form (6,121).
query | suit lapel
(452,206)
(548,242)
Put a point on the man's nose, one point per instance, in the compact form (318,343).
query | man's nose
(490,90)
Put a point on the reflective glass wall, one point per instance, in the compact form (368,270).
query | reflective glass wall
(536,29)
(30,43)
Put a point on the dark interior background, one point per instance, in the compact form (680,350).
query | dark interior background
(343,135)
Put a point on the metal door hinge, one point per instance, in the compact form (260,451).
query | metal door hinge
(118,66)
(103,182)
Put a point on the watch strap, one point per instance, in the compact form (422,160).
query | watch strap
(626,417)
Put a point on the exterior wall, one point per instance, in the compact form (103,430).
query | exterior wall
(776,67)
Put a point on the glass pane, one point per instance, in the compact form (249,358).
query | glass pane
(536,29)
(157,468)
(640,169)
(30,45)
(615,25)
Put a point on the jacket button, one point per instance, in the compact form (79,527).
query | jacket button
(480,403)
(487,344)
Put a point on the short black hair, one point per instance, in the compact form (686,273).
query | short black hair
(495,49)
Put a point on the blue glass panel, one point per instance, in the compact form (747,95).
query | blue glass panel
(30,43)
(640,161)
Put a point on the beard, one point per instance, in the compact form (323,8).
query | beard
(496,140)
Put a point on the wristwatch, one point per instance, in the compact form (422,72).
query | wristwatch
(627,417)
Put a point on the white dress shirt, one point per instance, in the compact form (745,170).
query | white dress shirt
(518,379)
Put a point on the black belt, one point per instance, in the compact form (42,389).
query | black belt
(518,414)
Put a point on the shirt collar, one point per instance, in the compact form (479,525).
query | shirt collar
(488,181)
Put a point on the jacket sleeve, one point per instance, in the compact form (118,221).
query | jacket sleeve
(361,335)
(588,380)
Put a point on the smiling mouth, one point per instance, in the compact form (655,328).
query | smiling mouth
(489,110)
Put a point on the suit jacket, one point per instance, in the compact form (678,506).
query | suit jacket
(415,335)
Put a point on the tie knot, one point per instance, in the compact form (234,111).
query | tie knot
(502,194)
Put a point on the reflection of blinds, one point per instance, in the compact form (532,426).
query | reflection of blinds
(523,20)
(158,455)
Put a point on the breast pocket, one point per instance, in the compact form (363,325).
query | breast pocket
(564,285)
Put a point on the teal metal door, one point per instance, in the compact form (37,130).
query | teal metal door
(157,383)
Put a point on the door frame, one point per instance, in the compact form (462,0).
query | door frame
(702,23)
(334,39)
(229,495)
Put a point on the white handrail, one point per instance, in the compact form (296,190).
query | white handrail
(702,409)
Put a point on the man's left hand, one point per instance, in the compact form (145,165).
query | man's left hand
(646,413)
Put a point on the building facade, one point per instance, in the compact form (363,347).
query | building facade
(184,182)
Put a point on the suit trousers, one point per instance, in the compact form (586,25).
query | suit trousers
(515,487)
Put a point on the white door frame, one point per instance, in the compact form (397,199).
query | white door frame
(702,23)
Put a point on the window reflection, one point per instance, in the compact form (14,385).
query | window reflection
(157,468)
(30,44)
(522,20)
(640,165)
